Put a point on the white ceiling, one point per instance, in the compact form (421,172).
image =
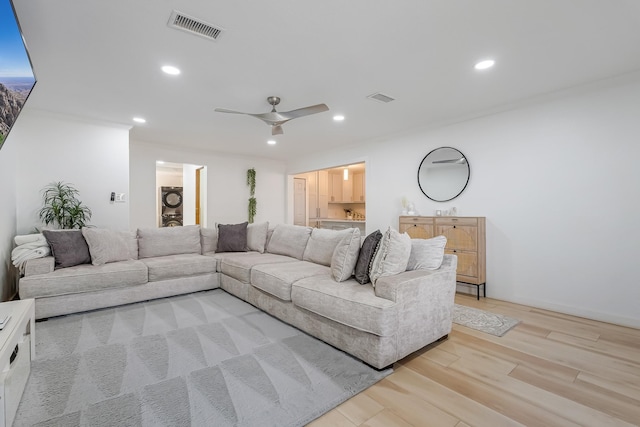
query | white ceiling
(101,60)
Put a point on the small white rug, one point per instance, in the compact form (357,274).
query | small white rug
(484,321)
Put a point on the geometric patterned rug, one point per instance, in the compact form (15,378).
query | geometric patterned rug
(203,359)
(484,321)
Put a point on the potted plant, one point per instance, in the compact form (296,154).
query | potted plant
(251,182)
(62,208)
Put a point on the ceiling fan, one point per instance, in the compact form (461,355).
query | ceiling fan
(277,119)
(460,161)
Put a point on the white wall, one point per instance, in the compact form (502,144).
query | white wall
(8,161)
(92,156)
(228,193)
(558,183)
(189,194)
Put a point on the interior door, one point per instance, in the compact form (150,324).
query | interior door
(299,201)
(198,177)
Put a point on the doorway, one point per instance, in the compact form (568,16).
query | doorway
(180,194)
(331,198)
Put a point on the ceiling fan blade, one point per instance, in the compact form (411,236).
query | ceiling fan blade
(301,112)
(224,110)
(460,161)
(276,130)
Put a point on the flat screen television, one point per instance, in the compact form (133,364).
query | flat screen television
(16,73)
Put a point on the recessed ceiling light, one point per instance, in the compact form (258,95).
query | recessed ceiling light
(139,120)
(271,142)
(169,69)
(338,117)
(483,65)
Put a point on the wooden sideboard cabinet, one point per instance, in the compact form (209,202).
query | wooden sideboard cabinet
(465,238)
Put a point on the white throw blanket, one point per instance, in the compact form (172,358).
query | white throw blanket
(30,238)
(30,246)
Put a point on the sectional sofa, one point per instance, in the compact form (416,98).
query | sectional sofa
(301,275)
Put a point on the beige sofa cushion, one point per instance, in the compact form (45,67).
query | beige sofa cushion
(289,240)
(107,245)
(84,278)
(208,239)
(276,279)
(322,243)
(257,236)
(238,264)
(173,266)
(348,303)
(153,242)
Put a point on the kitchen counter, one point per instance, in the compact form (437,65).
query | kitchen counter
(341,220)
(340,224)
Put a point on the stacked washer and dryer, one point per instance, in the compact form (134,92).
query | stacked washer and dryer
(171,206)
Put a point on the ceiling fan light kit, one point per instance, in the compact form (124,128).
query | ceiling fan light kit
(276,119)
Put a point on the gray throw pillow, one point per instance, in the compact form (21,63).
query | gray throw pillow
(232,237)
(368,250)
(68,247)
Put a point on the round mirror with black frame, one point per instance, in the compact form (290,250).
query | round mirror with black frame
(443,174)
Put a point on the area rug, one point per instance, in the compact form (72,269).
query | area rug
(204,359)
(484,321)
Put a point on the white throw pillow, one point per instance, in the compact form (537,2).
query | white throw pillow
(345,256)
(427,254)
(392,255)
(107,245)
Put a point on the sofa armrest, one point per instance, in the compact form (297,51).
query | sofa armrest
(39,266)
(405,286)
(425,300)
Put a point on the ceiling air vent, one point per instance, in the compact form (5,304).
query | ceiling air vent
(381,97)
(195,26)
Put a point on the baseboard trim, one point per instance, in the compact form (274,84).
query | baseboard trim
(579,312)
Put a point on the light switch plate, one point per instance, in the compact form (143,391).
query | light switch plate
(120,197)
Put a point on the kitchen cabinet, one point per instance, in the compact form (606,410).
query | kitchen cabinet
(358,188)
(349,191)
(318,190)
(335,187)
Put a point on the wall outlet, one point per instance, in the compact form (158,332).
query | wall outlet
(120,198)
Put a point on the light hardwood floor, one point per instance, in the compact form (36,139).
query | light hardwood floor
(550,370)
